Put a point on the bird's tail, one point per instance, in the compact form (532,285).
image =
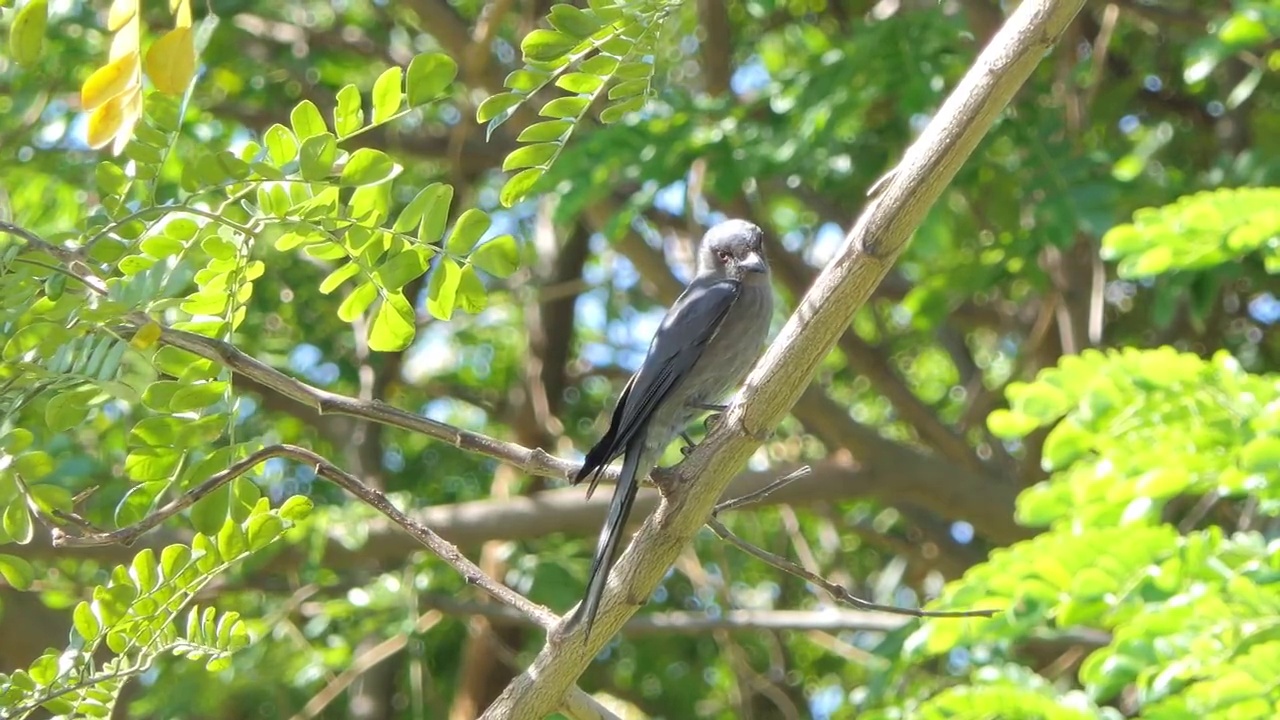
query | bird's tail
(611,536)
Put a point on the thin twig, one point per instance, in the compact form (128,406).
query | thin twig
(839,592)
(764,492)
(361,665)
(445,550)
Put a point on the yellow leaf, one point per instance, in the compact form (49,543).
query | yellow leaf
(181,10)
(132,108)
(171,61)
(109,81)
(26,35)
(105,121)
(122,11)
(146,336)
(127,40)
(115,119)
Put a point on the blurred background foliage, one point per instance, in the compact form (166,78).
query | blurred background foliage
(1063,401)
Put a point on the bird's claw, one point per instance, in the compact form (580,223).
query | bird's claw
(689,444)
(712,421)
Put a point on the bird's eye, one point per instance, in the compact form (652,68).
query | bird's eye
(724,255)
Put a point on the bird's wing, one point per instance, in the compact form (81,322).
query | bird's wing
(685,331)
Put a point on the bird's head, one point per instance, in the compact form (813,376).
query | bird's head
(734,249)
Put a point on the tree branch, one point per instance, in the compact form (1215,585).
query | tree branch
(438,545)
(839,592)
(779,379)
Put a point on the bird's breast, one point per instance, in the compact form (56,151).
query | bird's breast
(735,347)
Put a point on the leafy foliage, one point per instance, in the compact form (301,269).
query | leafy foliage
(1199,231)
(601,51)
(83,322)
(1189,615)
(317,192)
(136,618)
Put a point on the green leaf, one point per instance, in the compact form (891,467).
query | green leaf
(348,115)
(177,432)
(539,155)
(1261,455)
(1066,444)
(573,21)
(16,440)
(402,268)
(601,65)
(357,302)
(429,76)
(138,502)
(1010,425)
(617,45)
(387,95)
(525,80)
(231,543)
(443,288)
(370,205)
(410,218)
(628,88)
(317,156)
(367,166)
(143,570)
(544,45)
(1243,30)
(435,214)
(245,493)
(17,572)
(306,120)
(565,107)
(197,396)
(393,325)
(635,70)
(149,463)
(134,264)
(174,559)
(618,111)
(50,497)
(467,231)
(161,246)
(159,393)
(296,508)
(499,257)
(519,185)
(110,178)
(263,530)
(495,105)
(282,145)
(472,297)
(17,521)
(578,82)
(68,409)
(210,512)
(545,131)
(337,277)
(326,251)
(34,465)
(85,622)
(607,10)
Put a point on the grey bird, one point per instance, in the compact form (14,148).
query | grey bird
(705,346)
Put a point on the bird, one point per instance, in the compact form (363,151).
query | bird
(706,344)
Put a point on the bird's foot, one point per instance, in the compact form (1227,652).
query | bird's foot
(689,444)
(712,421)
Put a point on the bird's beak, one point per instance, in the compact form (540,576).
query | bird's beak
(753,263)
